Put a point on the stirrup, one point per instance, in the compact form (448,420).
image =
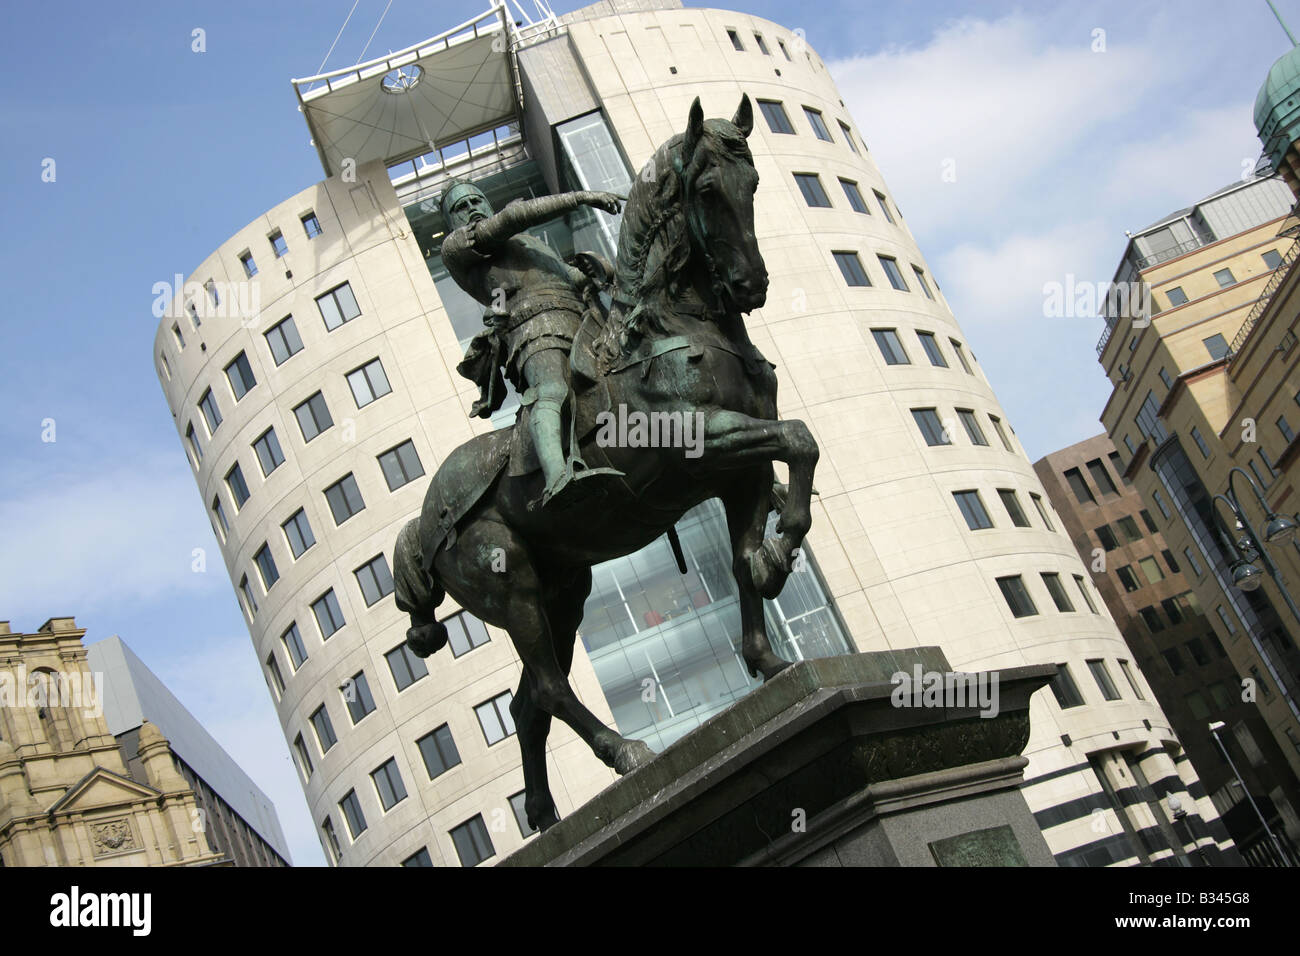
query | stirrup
(566,488)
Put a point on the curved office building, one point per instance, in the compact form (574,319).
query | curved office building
(310,365)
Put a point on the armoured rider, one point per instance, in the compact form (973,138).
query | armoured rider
(535,305)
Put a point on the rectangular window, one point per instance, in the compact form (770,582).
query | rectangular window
(1176,296)
(758,38)
(220,514)
(1148,419)
(297,531)
(276,678)
(1192,562)
(176,333)
(1169,560)
(1002,433)
(439,751)
(774,113)
(1160,503)
(250,604)
(848,136)
(405,667)
(238,487)
(1217,346)
(344,498)
(240,375)
(851,268)
(961,355)
(920,278)
(193,440)
(1042,511)
(1011,502)
(884,206)
(351,808)
(972,509)
(388,783)
(494,718)
(1200,442)
(331,840)
(269,454)
(1057,591)
(1148,521)
(1128,578)
(212,293)
(854,196)
(817,123)
(311,225)
(473,845)
(1154,622)
(810,185)
(1132,681)
(1107,538)
(304,758)
(294,646)
(890,346)
(1018,599)
(211,412)
(1173,660)
(1064,689)
(735,40)
(781,44)
(1128,443)
(278,245)
(1226,620)
(375,580)
(1282,426)
(1080,487)
(890,265)
(972,426)
(1102,677)
(329,616)
(1164,377)
(1083,590)
(250,267)
(1130,528)
(356,694)
(313,416)
(464,633)
(337,306)
(1172,611)
(1119,468)
(283,340)
(1101,477)
(400,465)
(1224,277)
(266,566)
(927,419)
(320,722)
(368,383)
(1197,650)
(932,351)
(1259,479)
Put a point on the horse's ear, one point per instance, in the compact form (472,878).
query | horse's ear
(744,118)
(694,130)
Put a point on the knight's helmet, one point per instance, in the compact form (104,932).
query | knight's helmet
(456,188)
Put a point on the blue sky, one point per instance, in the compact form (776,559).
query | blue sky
(1018,153)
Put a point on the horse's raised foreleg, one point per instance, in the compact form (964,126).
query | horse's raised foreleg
(735,441)
(531,721)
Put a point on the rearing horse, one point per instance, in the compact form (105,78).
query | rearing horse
(674,342)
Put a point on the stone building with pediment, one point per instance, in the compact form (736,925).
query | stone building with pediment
(74,793)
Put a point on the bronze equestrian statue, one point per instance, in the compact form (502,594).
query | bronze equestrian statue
(674,341)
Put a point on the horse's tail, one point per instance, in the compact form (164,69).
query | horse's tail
(418,593)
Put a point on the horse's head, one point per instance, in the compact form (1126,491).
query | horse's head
(718,182)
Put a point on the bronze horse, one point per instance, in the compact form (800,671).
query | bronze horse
(688,268)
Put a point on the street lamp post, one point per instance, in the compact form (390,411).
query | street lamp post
(1277,846)
(1279,529)
(1180,816)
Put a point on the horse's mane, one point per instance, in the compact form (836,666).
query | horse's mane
(654,244)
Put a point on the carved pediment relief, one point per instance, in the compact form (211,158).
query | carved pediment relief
(99,790)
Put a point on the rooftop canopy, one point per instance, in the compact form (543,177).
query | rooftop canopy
(440,91)
(1277,107)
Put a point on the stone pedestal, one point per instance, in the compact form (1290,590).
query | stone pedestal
(828,764)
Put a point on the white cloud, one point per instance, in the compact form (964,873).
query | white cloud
(80,540)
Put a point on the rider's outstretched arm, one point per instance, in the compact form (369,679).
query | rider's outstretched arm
(526,213)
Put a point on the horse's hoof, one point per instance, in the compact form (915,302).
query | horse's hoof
(544,819)
(632,755)
(769,666)
(766,568)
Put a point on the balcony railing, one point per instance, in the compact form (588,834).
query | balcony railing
(1262,302)
(1164,255)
